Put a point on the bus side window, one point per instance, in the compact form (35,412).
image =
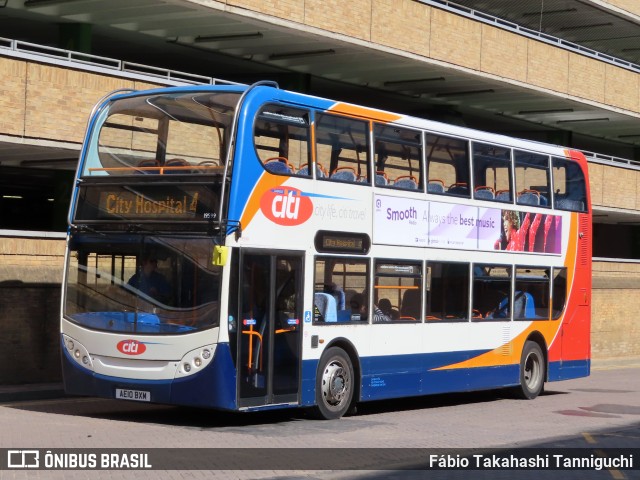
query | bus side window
(447,287)
(559,289)
(397,292)
(492,173)
(569,184)
(398,157)
(281,139)
(342,148)
(341,290)
(448,165)
(532,179)
(531,297)
(491,292)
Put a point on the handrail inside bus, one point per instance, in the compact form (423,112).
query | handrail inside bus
(158,168)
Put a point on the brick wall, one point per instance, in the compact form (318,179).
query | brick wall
(436,34)
(30,278)
(49,102)
(29,321)
(615,331)
(614,187)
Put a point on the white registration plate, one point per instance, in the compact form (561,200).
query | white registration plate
(137,395)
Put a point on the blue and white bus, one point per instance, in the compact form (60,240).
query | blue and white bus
(246,248)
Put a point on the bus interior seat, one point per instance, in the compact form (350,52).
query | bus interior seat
(503,195)
(410,306)
(565,203)
(327,306)
(435,186)
(459,189)
(278,165)
(381,178)
(408,182)
(145,166)
(524,305)
(177,165)
(345,174)
(484,193)
(304,171)
(529,197)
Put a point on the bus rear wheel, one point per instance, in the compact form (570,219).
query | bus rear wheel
(334,384)
(532,371)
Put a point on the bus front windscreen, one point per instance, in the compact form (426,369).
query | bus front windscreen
(142,283)
(183,133)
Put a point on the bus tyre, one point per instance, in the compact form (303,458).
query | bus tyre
(334,384)
(532,371)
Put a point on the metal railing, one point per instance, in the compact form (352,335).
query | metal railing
(543,37)
(611,160)
(88,61)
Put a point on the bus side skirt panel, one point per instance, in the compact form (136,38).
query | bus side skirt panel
(569,369)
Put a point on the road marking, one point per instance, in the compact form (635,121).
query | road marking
(616,474)
(589,438)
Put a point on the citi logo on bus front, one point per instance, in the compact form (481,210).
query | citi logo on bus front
(131,347)
(286,206)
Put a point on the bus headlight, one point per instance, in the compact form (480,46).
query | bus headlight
(195,360)
(77,352)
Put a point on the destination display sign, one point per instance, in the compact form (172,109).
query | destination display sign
(342,242)
(146,203)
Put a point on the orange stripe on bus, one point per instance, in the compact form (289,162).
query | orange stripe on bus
(548,328)
(356,111)
(264,184)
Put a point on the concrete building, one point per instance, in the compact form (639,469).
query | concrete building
(558,71)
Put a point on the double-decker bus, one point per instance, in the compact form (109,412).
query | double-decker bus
(246,248)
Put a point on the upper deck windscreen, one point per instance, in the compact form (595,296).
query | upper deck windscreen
(178,133)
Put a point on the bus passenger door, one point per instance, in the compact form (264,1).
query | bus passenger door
(269,344)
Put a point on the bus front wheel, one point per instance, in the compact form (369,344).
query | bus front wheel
(334,384)
(532,371)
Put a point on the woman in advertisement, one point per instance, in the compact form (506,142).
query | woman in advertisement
(516,233)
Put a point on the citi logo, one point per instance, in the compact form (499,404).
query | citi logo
(131,347)
(286,206)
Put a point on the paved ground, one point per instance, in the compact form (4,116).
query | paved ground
(599,415)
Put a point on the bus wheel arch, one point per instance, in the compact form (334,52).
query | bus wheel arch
(533,368)
(337,380)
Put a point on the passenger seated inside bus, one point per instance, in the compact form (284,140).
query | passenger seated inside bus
(523,307)
(384,304)
(149,281)
(358,308)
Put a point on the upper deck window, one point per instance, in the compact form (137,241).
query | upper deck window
(281,137)
(448,165)
(492,172)
(342,145)
(398,157)
(532,179)
(570,186)
(178,133)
